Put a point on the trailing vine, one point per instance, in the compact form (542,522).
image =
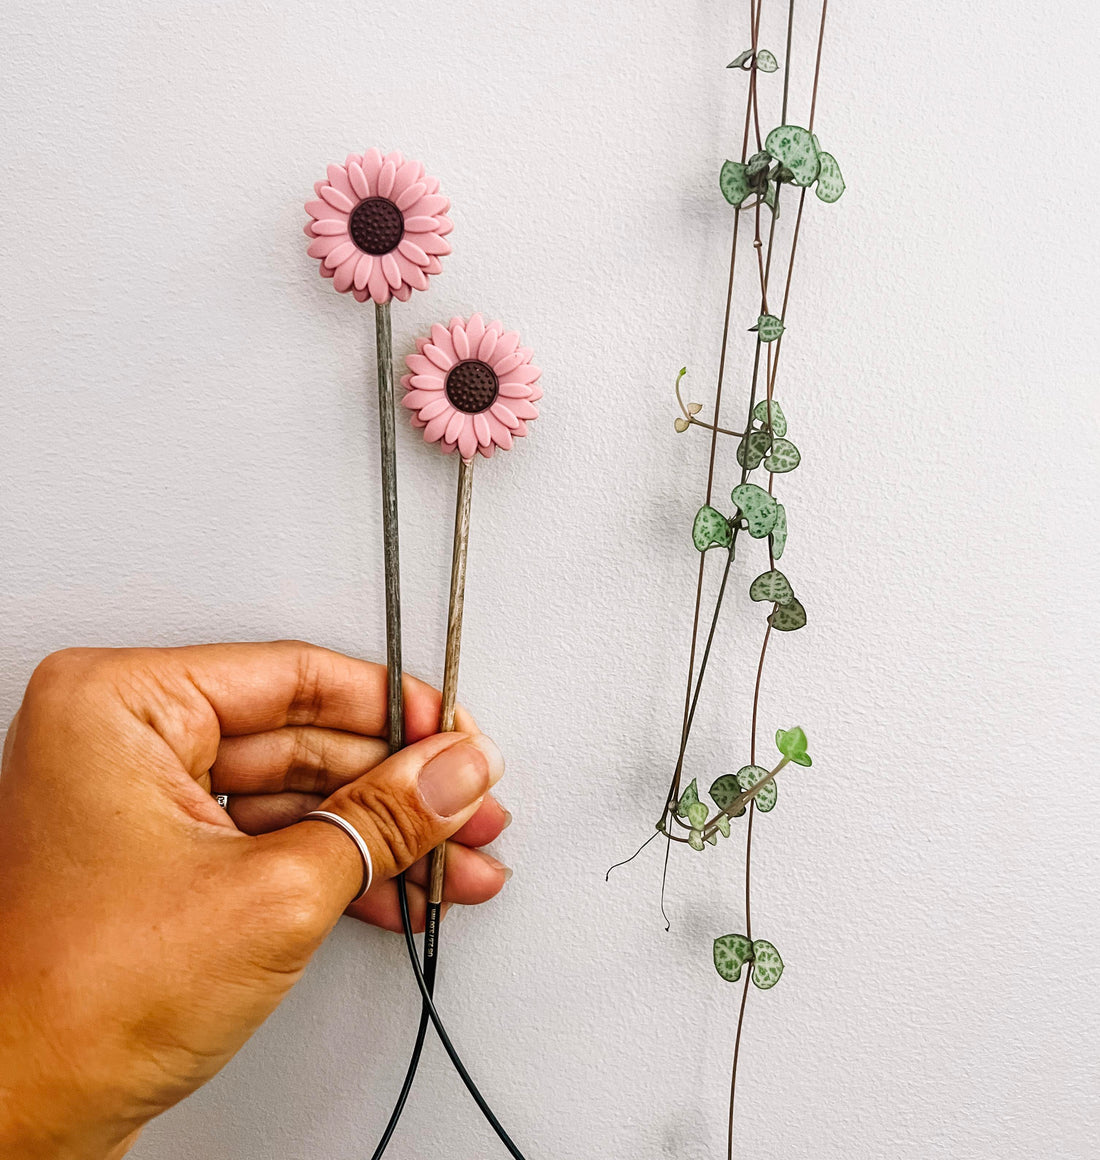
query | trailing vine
(786,161)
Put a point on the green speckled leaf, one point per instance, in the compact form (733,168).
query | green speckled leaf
(784,457)
(697,814)
(711,529)
(766,62)
(733,183)
(723,824)
(758,508)
(830,184)
(752,449)
(768,327)
(778,419)
(739,60)
(779,532)
(794,147)
(749,776)
(773,586)
(767,966)
(711,839)
(792,744)
(690,796)
(771,198)
(731,953)
(757,163)
(695,839)
(788,617)
(724,790)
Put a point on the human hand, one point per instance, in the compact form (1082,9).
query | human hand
(148,932)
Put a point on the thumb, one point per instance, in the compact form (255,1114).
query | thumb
(402,809)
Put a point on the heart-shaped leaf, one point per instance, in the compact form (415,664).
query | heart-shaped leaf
(711,839)
(695,408)
(778,421)
(731,953)
(723,791)
(711,529)
(784,457)
(695,839)
(830,184)
(723,824)
(771,198)
(681,425)
(773,586)
(787,617)
(733,183)
(758,508)
(768,327)
(767,966)
(766,62)
(779,532)
(794,148)
(691,795)
(752,449)
(739,60)
(757,163)
(748,777)
(697,814)
(792,744)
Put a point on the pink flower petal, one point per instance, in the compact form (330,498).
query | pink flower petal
(419,365)
(502,437)
(487,346)
(525,373)
(325,272)
(391,270)
(372,163)
(487,449)
(421,225)
(346,274)
(505,366)
(467,439)
(407,248)
(394,158)
(432,243)
(416,422)
(444,226)
(441,359)
(341,254)
(410,197)
(455,426)
(526,351)
(321,209)
(406,382)
(412,275)
(496,326)
(386,178)
(432,204)
(437,406)
(322,247)
(536,393)
(506,345)
(358,180)
(499,411)
(441,336)
(434,266)
(330,227)
(352,159)
(432,382)
(307,229)
(514,391)
(461,342)
(403,293)
(475,332)
(377,285)
(337,199)
(362,271)
(415,399)
(431,184)
(360,295)
(437,426)
(482,429)
(523,409)
(338,179)
(406,178)
(521,430)
(447,448)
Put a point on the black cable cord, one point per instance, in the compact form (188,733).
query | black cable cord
(431,931)
(441,1031)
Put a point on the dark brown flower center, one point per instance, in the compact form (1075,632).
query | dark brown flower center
(376,225)
(472,386)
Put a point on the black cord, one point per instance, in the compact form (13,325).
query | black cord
(431,932)
(441,1031)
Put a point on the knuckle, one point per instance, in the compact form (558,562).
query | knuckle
(294,889)
(402,832)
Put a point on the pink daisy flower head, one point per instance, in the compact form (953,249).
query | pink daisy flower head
(378,227)
(471,386)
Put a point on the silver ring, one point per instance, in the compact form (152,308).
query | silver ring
(355,836)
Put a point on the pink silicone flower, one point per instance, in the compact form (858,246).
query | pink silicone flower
(378,226)
(472,386)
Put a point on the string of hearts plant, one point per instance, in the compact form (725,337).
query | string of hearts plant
(786,163)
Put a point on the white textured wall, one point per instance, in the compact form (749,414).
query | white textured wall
(188,452)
